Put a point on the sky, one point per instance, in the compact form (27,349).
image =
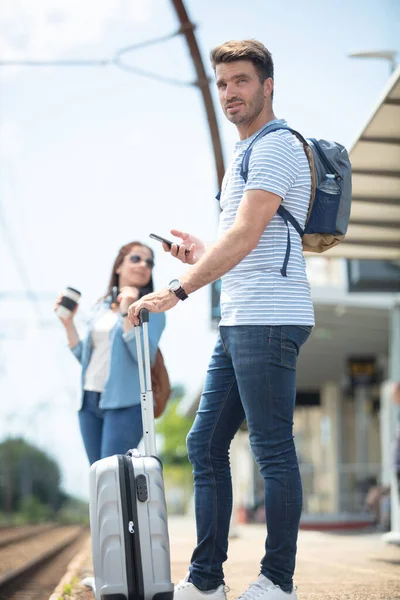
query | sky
(94,157)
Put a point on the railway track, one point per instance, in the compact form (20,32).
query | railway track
(31,567)
(11,535)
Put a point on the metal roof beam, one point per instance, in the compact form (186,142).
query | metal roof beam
(376,173)
(375,243)
(377,200)
(203,83)
(374,223)
(380,140)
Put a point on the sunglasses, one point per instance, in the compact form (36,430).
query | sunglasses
(135,258)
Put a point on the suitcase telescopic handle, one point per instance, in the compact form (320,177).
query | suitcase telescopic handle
(146,393)
(144,315)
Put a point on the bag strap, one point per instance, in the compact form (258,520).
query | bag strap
(283,212)
(244,170)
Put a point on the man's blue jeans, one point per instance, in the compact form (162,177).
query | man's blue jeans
(252,376)
(108,432)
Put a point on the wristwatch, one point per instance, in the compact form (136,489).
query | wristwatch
(176,288)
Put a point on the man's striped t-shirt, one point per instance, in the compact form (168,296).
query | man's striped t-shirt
(255,292)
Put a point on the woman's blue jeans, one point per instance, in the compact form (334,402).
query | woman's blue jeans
(108,432)
(252,376)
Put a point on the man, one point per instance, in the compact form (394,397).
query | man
(266,318)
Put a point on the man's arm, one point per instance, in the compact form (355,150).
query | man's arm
(254,213)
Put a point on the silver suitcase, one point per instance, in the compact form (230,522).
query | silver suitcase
(128,515)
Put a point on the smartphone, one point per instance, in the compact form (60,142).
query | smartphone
(168,242)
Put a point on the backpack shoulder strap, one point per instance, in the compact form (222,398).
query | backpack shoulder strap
(244,169)
(283,212)
(310,157)
(287,216)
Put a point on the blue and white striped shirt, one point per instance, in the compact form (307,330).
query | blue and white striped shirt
(255,292)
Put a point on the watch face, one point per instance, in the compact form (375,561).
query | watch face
(174,285)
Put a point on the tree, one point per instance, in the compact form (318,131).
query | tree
(174,428)
(25,473)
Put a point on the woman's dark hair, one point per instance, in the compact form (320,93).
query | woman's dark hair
(114,279)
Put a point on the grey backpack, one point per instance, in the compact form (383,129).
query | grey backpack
(329,209)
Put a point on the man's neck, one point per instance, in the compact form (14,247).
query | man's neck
(246,130)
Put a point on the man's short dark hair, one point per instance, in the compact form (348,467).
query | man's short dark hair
(251,50)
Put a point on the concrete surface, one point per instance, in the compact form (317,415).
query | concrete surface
(330,566)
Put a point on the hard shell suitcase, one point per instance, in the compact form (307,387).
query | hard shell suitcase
(128,515)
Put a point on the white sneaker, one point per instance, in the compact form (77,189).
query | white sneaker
(264,589)
(88,582)
(186,590)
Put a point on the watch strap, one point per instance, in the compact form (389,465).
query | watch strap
(179,291)
(181,294)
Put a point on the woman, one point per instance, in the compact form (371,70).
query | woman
(110,416)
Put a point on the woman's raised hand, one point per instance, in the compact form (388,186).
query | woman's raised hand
(65,320)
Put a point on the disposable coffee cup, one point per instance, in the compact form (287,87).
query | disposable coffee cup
(70,298)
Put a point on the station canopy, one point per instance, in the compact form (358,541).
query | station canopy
(374,229)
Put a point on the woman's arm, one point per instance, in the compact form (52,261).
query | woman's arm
(72,334)
(77,351)
(128,294)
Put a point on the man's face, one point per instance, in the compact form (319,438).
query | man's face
(241,94)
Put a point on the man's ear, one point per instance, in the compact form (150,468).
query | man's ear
(268,86)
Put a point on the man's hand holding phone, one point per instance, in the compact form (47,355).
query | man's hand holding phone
(189,251)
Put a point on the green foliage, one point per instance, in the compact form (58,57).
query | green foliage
(30,487)
(67,591)
(25,472)
(173,427)
(73,512)
(178,488)
(31,510)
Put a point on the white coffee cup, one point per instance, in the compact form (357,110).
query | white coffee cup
(70,298)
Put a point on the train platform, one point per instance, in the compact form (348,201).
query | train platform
(330,565)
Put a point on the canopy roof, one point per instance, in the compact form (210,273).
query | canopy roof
(374,229)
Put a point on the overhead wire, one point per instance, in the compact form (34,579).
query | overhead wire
(19,264)
(116,60)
